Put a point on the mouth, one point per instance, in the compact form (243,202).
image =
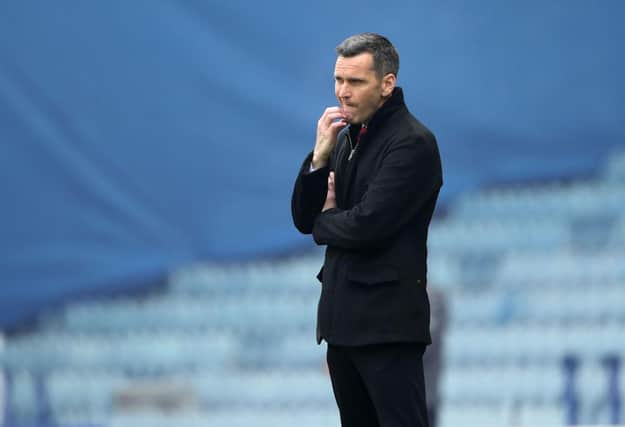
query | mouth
(348,110)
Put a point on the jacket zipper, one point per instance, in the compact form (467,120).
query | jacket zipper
(351,146)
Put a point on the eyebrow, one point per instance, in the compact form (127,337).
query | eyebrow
(350,79)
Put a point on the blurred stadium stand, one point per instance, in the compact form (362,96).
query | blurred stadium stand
(535,335)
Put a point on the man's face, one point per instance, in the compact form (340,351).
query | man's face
(357,87)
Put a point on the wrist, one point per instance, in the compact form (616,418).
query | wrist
(318,162)
(330,203)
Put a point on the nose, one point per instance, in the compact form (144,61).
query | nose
(342,92)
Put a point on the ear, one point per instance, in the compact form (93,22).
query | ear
(388,84)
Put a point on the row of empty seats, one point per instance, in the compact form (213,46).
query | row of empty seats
(524,382)
(237,313)
(588,199)
(533,343)
(96,396)
(132,353)
(546,304)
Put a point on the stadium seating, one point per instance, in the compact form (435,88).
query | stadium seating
(532,275)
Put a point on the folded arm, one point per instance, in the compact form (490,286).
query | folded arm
(309,195)
(408,178)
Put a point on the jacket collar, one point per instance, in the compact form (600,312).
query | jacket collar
(392,104)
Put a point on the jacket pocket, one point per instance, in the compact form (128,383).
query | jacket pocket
(374,275)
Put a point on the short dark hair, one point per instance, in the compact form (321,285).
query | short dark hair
(385,56)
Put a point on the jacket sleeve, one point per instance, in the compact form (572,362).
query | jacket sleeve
(410,175)
(309,195)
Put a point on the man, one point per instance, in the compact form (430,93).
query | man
(368,191)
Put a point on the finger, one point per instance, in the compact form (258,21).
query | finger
(332,120)
(338,125)
(331,114)
(333,109)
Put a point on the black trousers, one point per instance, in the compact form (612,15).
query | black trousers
(379,385)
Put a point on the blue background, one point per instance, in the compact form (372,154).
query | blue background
(137,137)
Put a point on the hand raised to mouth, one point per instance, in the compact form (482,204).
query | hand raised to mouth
(330,123)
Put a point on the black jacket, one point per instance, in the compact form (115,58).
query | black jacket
(374,273)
